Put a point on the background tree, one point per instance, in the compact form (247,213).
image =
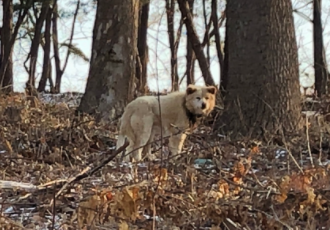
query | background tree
(6,59)
(174,42)
(70,48)
(109,84)
(142,57)
(33,55)
(214,17)
(320,66)
(190,67)
(46,69)
(193,38)
(262,65)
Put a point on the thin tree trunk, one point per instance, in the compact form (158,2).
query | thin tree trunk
(35,45)
(197,47)
(225,77)
(109,86)
(57,59)
(59,70)
(212,33)
(224,72)
(46,61)
(6,79)
(190,53)
(320,66)
(9,49)
(142,57)
(170,10)
(217,37)
(207,27)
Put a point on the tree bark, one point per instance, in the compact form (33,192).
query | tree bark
(8,49)
(207,28)
(142,57)
(225,77)
(46,62)
(320,66)
(35,44)
(109,86)
(57,59)
(197,47)
(190,53)
(170,10)
(214,17)
(262,64)
(6,79)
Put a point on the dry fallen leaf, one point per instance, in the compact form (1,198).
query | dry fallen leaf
(93,209)
(123,225)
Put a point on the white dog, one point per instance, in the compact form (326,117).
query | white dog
(147,116)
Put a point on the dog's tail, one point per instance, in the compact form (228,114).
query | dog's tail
(125,130)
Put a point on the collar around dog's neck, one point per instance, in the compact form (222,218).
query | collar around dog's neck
(193,118)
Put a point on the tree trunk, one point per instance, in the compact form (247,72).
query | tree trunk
(6,79)
(35,44)
(170,10)
(320,66)
(214,17)
(142,57)
(109,86)
(224,72)
(190,53)
(207,28)
(197,47)
(6,51)
(263,89)
(46,62)
(57,59)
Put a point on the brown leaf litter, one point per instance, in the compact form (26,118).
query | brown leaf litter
(216,184)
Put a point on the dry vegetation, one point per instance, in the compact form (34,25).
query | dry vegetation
(217,184)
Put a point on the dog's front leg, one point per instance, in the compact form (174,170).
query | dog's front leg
(176,143)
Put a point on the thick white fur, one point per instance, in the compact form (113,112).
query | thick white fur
(142,119)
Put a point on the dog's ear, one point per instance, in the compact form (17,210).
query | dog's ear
(212,89)
(191,89)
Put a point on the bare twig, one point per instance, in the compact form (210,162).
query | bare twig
(88,171)
(308,142)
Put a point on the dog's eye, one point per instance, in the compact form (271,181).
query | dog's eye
(206,98)
(198,98)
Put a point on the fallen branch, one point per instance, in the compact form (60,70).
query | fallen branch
(21,185)
(88,171)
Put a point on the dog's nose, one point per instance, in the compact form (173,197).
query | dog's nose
(203,105)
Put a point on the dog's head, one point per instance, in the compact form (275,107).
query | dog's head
(200,100)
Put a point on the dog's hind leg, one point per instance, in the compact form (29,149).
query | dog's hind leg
(142,127)
(120,143)
(147,148)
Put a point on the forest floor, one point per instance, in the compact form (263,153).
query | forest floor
(47,177)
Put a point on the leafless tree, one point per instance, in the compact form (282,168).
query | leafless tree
(46,69)
(320,66)
(60,70)
(33,55)
(6,60)
(110,82)
(142,56)
(214,17)
(174,43)
(193,38)
(190,53)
